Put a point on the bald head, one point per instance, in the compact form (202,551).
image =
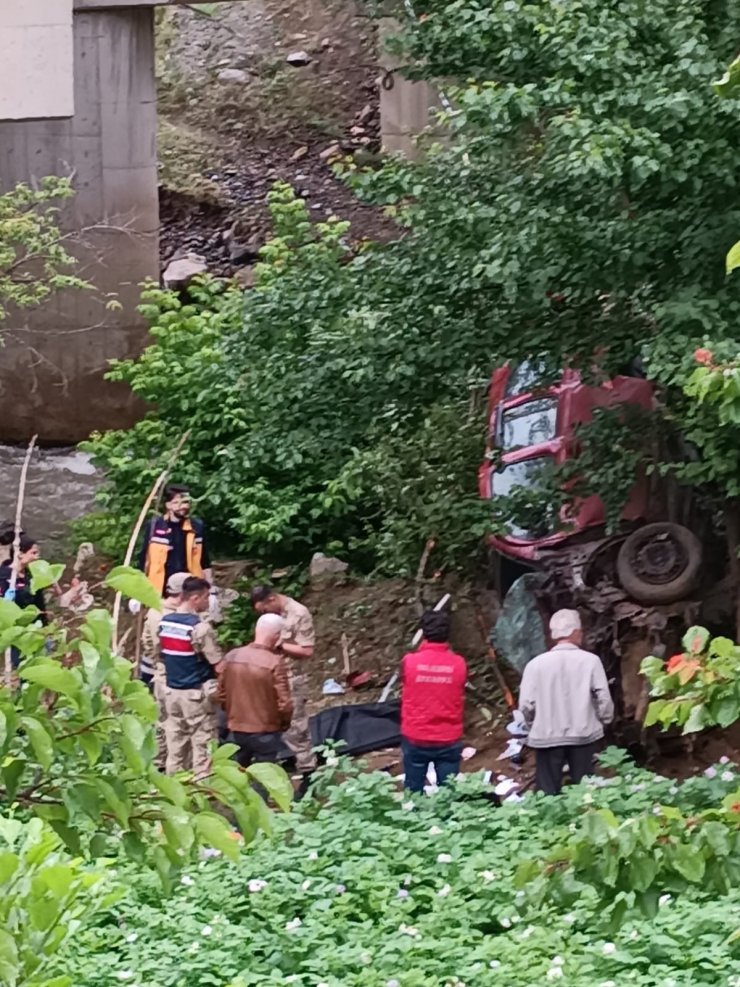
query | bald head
(268,629)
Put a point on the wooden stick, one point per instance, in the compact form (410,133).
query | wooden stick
(17,550)
(153,494)
(345,655)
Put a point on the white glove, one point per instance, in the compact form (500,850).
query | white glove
(134,607)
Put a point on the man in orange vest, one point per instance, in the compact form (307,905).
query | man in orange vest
(175,542)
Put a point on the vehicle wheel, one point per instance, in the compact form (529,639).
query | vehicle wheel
(659,563)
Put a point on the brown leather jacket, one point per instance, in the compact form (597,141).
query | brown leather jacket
(254,690)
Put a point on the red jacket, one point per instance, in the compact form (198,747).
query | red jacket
(433,696)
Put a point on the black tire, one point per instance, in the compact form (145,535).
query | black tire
(659,563)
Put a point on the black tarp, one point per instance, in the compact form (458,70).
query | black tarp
(363,727)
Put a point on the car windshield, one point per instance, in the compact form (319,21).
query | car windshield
(528,520)
(528,424)
(524,376)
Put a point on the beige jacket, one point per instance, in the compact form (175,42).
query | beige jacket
(565,697)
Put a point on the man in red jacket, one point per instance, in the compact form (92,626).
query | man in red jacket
(432,704)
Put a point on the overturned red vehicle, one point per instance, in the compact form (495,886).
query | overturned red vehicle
(529,430)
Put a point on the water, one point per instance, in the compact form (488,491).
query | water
(60,488)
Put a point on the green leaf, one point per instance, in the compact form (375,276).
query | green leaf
(170,787)
(41,742)
(135,585)
(729,85)
(215,832)
(275,780)
(9,613)
(717,835)
(688,862)
(98,629)
(52,676)
(695,640)
(696,720)
(653,712)
(44,575)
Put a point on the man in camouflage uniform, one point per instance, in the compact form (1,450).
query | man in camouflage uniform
(192,659)
(151,670)
(297,643)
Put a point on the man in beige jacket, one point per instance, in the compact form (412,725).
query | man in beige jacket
(565,699)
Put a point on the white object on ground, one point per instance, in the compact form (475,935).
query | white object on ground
(468,752)
(513,748)
(505,787)
(134,607)
(332,688)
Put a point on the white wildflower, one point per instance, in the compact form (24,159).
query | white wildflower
(340,888)
(569,919)
(554,973)
(407,880)
(587,799)
(435,831)
(725,760)
(402,893)
(187,880)
(673,790)
(125,974)
(306,885)
(494,964)
(408,930)
(407,806)
(710,773)
(664,899)
(556,961)
(313,855)
(608,948)
(331,761)
(295,923)
(132,937)
(443,892)
(526,933)
(207,852)
(506,922)
(392,983)
(256,885)
(444,858)
(488,876)
(206,930)
(634,935)
(727,776)
(366,958)
(608,983)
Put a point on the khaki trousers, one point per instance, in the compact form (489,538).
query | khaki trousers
(189,727)
(298,734)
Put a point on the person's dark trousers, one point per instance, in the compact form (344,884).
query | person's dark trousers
(257,747)
(552,760)
(416,759)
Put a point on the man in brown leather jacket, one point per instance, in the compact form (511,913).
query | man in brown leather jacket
(255,692)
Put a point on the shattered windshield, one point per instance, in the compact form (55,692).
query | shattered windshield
(526,483)
(528,424)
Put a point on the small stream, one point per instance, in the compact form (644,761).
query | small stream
(60,488)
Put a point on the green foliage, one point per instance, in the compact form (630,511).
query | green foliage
(77,750)
(317,422)
(134,584)
(698,688)
(44,897)
(33,260)
(584,205)
(368,887)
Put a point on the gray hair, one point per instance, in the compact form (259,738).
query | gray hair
(269,625)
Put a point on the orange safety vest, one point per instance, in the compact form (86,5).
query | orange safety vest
(159,547)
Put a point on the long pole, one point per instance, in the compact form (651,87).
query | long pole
(414,642)
(153,494)
(17,550)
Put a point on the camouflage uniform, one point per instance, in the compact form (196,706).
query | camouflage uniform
(152,658)
(190,713)
(299,630)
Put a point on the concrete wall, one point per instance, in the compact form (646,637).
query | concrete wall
(35,59)
(405,109)
(53,360)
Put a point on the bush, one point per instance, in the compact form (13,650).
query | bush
(367,889)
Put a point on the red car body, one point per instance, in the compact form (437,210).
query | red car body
(529,428)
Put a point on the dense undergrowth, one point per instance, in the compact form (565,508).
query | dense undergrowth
(582,207)
(368,889)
